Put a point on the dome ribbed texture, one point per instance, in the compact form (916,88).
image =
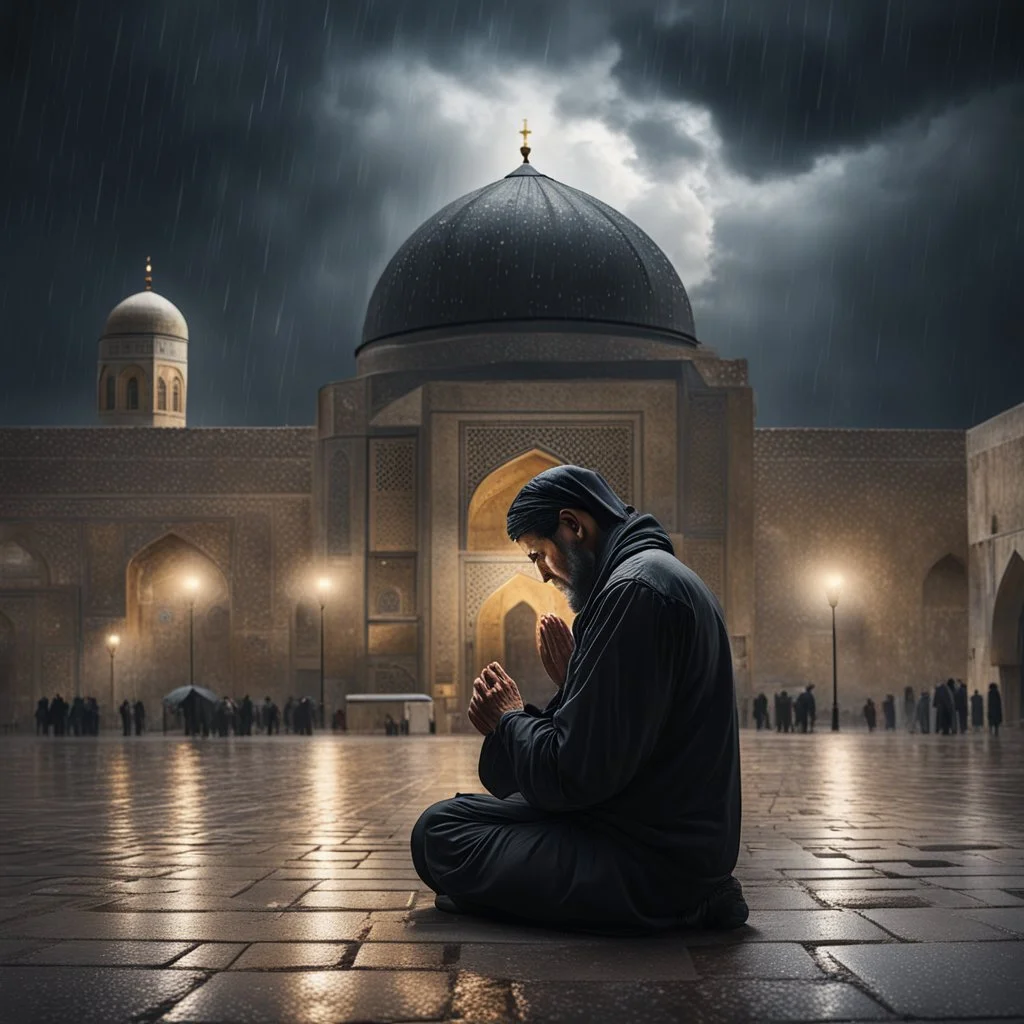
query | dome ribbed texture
(146,313)
(527,247)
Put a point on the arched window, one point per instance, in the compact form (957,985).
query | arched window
(161,394)
(111,391)
(133,393)
(176,396)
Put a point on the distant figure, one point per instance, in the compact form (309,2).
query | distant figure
(245,716)
(43,716)
(944,712)
(909,707)
(76,717)
(760,711)
(92,716)
(960,702)
(302,717)
(995,709)
(924,712)
(953,718)
(289,710)
(126,717)
(778,712)
(140,717)
(870,714)
(889,711)
(977,711)
(220,718)
(270,717)
(800,713)
(389,726)
(786,711)
(339,720)
(810,707)
(58,714)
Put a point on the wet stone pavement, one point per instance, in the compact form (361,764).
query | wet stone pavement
(269,879)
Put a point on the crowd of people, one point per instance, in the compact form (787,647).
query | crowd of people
(791,714)
(80,717)
(947,710)
(243,717)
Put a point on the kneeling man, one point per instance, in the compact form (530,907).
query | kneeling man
(616,808)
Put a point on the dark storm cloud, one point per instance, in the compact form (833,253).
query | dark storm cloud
(787,80)
(246,147)
(887,293)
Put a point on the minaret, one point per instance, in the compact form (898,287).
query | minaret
(143,362)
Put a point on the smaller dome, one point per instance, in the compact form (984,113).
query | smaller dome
(146,313)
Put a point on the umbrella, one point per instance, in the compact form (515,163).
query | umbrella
(176,697)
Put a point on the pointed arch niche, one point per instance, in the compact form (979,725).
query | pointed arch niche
(488,508)
(506,631)
(1007,642)
(158,618)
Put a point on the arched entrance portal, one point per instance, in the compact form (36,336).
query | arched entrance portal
(506,631)
(489,505)
(158,622)
(1008,637)
(8,697)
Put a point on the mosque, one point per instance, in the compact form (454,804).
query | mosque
(524,325)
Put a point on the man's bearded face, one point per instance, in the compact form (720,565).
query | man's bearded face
(565,562)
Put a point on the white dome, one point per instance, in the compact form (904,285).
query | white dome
(146,313)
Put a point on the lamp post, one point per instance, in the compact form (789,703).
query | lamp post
(113,641)
(192,588)
(323,585)
(832,591)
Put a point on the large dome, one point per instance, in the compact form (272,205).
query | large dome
(146,313)
(524,248)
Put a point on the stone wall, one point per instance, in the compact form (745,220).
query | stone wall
(883,509)
(91,503)
(995,525)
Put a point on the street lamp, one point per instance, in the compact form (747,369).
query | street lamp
(192,588)
(113,641)
(323,585)
(832,591)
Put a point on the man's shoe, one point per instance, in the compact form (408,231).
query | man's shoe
(723,908)
(447,904)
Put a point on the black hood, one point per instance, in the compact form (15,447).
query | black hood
(640,532)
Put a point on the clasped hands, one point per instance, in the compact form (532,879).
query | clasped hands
(495,692)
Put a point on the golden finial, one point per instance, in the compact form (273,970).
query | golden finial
(525,147)
(149,274)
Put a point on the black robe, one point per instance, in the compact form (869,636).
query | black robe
(619,802)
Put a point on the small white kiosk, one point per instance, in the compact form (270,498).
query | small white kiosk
(366,712)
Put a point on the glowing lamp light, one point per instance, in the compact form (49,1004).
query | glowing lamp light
(833,589)
(192,585)
(112,642)
(323,584)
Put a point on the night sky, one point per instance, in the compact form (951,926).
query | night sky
(838,182)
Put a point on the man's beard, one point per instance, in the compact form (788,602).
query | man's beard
(582,568)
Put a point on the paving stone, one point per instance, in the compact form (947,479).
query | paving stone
(314,926)
(211,956)
(779,899)
(88,995)
(755,960)
(363,884)
(286,955)
(937,925)
(946,979)
(797,926)
(897,899)
(11,949)
(275,893)
(968,882)
(363,899)
(611,960)
(435,926)
(107,954)
(741,1001)
(325,996)
(1008,920)
(400,955)
(997,897)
